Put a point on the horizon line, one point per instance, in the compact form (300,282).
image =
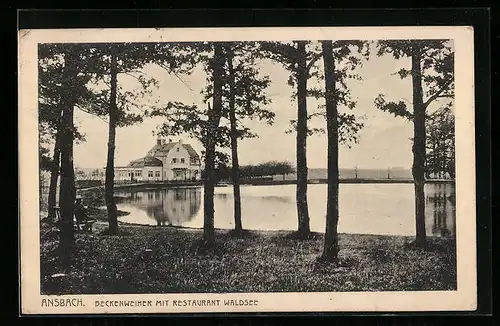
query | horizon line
(309,168)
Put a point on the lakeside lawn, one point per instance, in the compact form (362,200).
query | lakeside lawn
(166,259)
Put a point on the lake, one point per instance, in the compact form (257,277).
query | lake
(384,209)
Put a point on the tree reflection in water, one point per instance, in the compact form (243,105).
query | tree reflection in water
(168,206)
(440,208)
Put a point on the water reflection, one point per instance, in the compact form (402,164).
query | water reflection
(165,206)
(386,209)
(440,210)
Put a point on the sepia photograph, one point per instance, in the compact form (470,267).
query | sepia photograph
(247,169)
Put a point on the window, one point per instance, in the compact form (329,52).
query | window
(150,174)
(157,174)
(137,173)
(174,160)
(182,160)
(178,148)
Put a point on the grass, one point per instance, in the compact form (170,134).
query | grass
(146,259)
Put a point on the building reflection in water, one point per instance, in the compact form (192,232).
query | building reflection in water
(440,210)
(168,206)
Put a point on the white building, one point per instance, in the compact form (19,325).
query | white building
(165,161)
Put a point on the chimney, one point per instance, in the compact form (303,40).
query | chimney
(158,140)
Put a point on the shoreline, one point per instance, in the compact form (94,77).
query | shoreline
(104,221)
(271,232)
(167,185)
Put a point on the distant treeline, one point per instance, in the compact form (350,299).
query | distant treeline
(286,171)
(265,169)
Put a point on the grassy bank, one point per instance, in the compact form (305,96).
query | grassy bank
(164,259)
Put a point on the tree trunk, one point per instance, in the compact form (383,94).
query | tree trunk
(301,152)
(110,168)
(331,247)
(67,190)
(54,174)
(210,142)
(419,138)
(234,146)
(208,185)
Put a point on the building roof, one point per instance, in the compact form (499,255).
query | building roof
(191,151)
(165,148)
(162,149)
(145,161)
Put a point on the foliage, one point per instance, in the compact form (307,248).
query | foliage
(44,159)
(398,109)
(249,88)
(131,57)
(266,169)
(270,168)
(441,142)
(181,118)
(437,64)
(250,97)
(349,126)
(53,88)
(348,56)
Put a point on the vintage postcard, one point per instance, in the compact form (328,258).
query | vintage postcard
(193,170)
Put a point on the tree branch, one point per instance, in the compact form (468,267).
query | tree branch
(137,106)
(88,112)
(175,74)
(427,55)
(131,75)
(138,72)
(438,93)
(107,83)
(284,50)
(313,60)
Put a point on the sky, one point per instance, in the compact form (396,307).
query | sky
(384,141)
